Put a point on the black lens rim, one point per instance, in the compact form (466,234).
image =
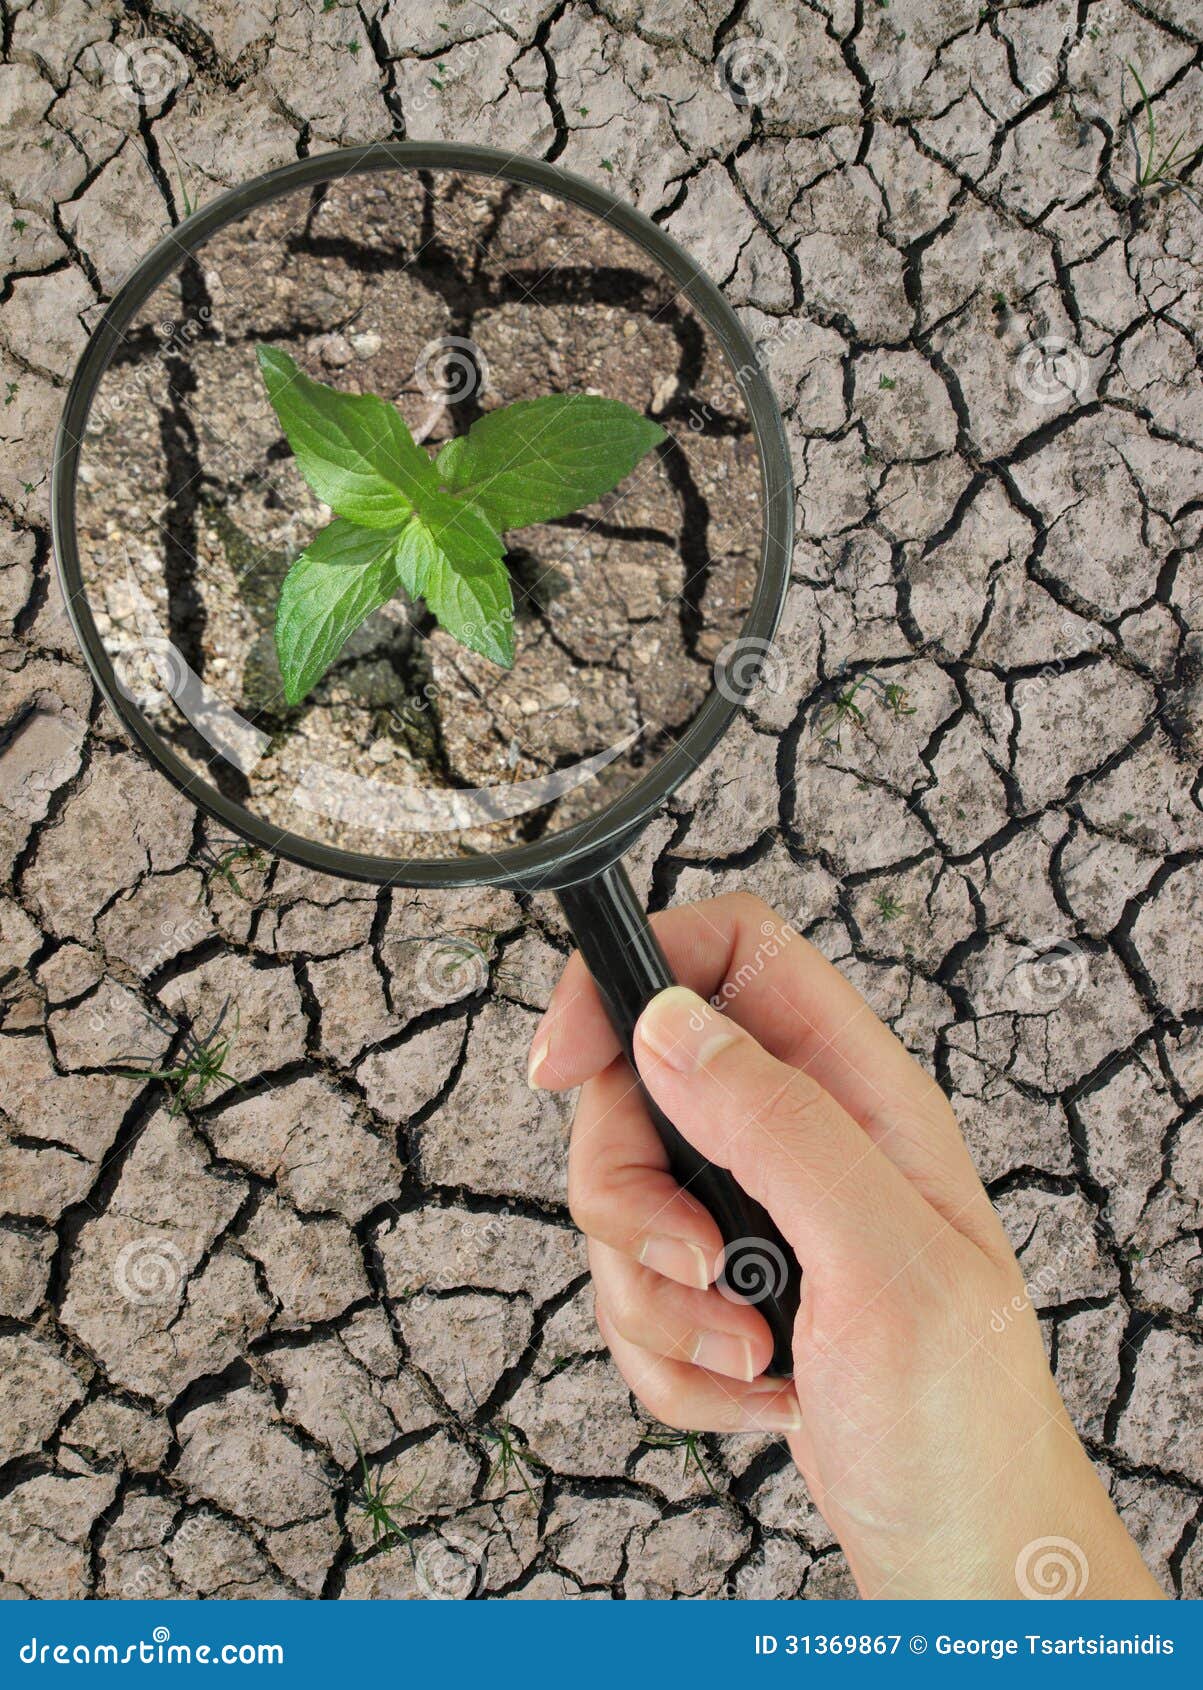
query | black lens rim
(559,858)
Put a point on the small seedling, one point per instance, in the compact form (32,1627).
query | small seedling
(185,196)
(1152,171)
(430,528)
(202,1066)
(842,710)
(19,225)
(894,698)
(372,1497)
(886,381)
(511,1457)
(11,389)
(689,1443)
(220,864)
(888,907)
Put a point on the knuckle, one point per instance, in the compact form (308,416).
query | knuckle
(750,906)
(797,1101)
(624,1308)
(663,1402)
(584,1205)
(766,1146)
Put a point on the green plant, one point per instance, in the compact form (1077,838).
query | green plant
(185,196)
(202,1066)
(886,381)
(432,528)
(220,864)
(843,709)
(888,906)
(894,698)
(372,1497)
(511,1457)
(1152,171)
(690,1445)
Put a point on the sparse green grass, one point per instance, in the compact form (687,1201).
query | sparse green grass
(220,865)
(689,1443)
(373,1498)
(895,700)
(843,711)
(185,196)
(1152,170)
(511,1456)
(202,1066)
(888,907)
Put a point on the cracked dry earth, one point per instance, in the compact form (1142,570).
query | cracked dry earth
(972,777)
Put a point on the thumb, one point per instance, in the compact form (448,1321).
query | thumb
(788,1143)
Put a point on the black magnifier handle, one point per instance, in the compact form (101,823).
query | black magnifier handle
(629,968)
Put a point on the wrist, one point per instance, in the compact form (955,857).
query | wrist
(1042,1528)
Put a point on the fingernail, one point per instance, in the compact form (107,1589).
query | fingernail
(538,1056)
(784,1416)
(683,1030)
(675,1259)
(722,1352)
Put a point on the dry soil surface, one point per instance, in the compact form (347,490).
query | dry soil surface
(972,778)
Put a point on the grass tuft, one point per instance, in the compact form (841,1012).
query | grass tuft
(373,1498)
(1153,171)
(689,1443)
(202,1066)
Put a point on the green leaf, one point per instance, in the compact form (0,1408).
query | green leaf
(450,556)
(337,582)
(416,555)
(458,529)
(544,458)
(353,449)
(473,600)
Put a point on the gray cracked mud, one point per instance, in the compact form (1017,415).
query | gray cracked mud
(973,782)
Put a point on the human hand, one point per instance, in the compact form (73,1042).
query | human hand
(922,1414)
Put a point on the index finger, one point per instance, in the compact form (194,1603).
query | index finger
(758,969)
(772,982)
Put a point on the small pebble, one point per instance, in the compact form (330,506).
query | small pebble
(334,350)
(665,393)
(366,344)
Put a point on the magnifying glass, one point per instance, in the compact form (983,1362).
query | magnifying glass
(449,282)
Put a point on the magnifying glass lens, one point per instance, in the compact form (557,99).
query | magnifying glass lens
(449,296)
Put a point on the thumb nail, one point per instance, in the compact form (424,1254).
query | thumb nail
(681,1030)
